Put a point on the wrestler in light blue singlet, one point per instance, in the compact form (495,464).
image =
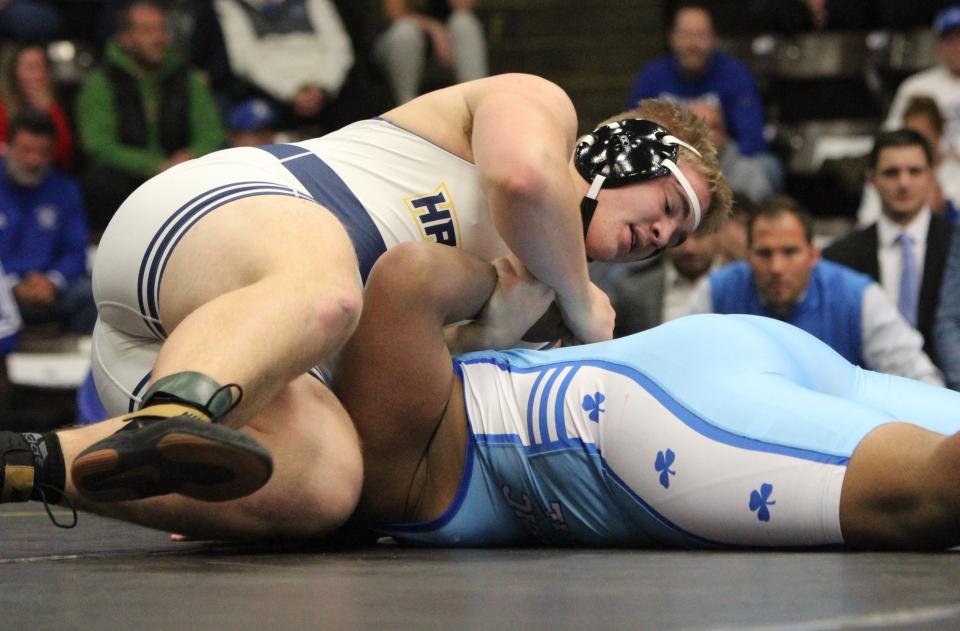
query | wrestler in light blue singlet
(707,431)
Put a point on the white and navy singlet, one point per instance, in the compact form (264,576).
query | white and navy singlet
(385,184)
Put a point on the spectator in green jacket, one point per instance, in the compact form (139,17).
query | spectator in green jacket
(143,111)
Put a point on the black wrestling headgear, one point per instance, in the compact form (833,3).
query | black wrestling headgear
(628,151)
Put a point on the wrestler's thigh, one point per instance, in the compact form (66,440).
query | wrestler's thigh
(121,364)
(750,459)
(149,225)
(250,240)
(900,489)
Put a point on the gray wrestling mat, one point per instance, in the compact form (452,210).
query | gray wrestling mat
(109,575)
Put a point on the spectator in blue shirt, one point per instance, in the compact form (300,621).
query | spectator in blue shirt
(43,230)
(784,278)
(695,70)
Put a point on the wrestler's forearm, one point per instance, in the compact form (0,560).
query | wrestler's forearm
(521,145)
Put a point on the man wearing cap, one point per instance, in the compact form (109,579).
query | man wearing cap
(942,82)
(294,229)
(251,123)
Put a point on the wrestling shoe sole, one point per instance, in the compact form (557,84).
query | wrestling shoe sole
(200,460)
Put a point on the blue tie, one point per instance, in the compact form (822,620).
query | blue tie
(908,280)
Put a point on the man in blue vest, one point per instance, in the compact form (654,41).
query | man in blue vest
(785,278)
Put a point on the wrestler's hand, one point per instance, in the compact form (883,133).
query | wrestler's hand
(515,305)
(590,319)
(517,302)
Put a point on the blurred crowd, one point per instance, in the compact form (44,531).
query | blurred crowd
(85,119)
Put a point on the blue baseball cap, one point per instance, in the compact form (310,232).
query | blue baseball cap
(252,115)
(947,20)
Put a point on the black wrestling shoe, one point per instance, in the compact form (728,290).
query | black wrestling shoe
(18,477)
(157,453)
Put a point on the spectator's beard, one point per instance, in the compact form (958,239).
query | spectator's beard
(145,62)
(26,177)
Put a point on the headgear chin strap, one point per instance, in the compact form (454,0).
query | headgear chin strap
(628,151)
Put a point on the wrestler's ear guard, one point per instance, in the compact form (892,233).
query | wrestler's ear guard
(628,151)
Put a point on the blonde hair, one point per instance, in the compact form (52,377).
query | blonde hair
(691,129)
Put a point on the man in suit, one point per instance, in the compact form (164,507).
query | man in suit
(783,277)
(657,293)
(906,249)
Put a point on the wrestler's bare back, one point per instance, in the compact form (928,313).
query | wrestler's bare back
(447,117)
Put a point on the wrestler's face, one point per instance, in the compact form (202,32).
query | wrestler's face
(637,221)
(903,178)
(28,158)
(146,39)
(782,259)
(692,40)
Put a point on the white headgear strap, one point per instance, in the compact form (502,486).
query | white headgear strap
(684,183)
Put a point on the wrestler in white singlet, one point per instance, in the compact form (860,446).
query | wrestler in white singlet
(387,185)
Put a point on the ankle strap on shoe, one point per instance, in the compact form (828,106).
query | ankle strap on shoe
(17,471)
(194,390)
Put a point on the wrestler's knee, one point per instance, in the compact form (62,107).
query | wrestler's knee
(901,490)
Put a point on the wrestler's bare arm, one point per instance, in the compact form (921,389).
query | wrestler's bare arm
(395,376)
(520,130)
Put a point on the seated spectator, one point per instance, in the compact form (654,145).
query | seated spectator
(654,294)
(784,278)
(744,174)
(293,52)
(29,21)
(25,83)
(732,236)
(251,123)
(141,112)
(10,320)
(924,117)
(942,82)
(447,28)
(946,328)
(194,33)
(10,324)
(906,249)
(696,70)
(43,230)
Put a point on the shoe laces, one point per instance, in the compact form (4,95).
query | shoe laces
(234,402)
(40,486)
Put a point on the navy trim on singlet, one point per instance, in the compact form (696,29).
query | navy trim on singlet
(137,389)
(326,187)
(452,510)
(167,237)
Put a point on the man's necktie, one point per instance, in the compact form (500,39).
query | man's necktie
(909,283)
